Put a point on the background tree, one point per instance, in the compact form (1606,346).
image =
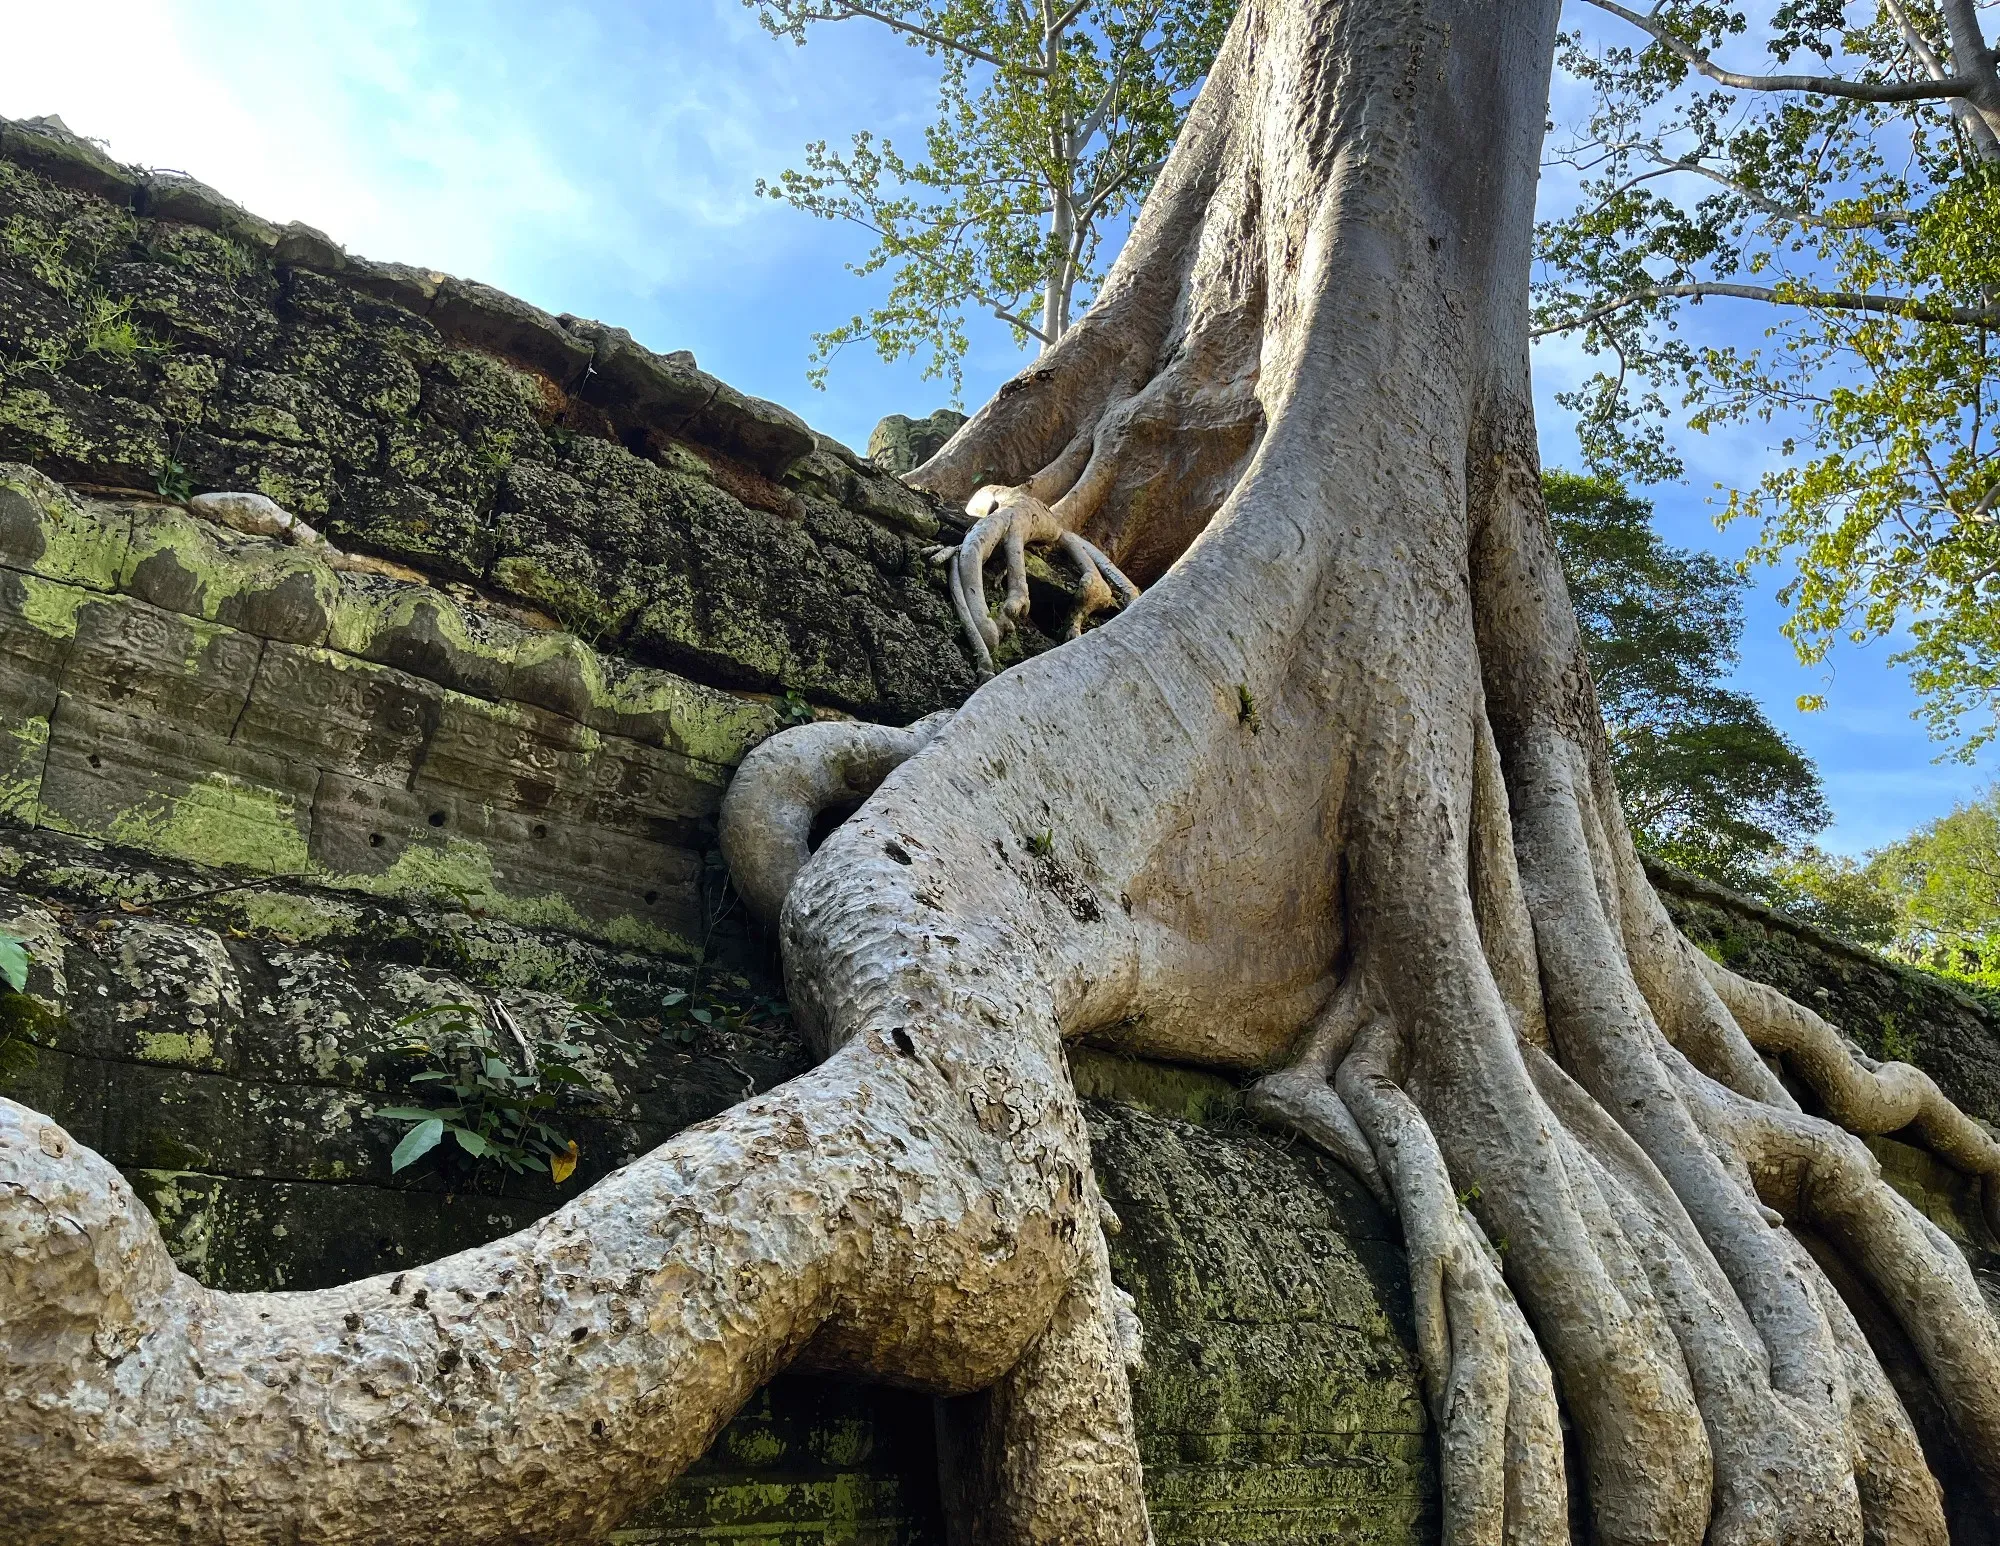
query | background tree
(1835,892)
(1052,121)
(1944,880)
(1708,782)
(1848,216)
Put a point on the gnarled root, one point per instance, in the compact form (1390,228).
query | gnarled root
(1046,1455)
(1861,1094)
(789,783)
(1015,520)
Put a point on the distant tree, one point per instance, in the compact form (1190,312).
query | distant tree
(1842,895)
(1709,783)
(1052,120)
(1945,881)
(1845,219)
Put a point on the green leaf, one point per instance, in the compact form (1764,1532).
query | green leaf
(14,962)
(417,1142)
(471,1142)
(415,1113)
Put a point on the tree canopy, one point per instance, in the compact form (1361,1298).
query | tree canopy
(1708,782)
(1944,880)
(1051,122)
(1847,214)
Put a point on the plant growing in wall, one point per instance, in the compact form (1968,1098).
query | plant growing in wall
(494,1110)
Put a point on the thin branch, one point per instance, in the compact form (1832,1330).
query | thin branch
(853,10)
(1769,206)
(1027,327)
(1823,300)
(1820,85)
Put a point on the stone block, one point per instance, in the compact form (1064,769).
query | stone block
(46,531)
(330,710)
(260,585)
(38,624)
(178,671)
(542,870)
(527,759)
(138,780)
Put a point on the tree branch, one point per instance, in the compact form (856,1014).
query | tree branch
(1821,85)
(853,10)
(1027,327)
(1824,300)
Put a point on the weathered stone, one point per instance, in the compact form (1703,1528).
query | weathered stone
(901,444)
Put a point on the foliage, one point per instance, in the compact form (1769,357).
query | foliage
(1051,123)
(497,1111)
(1862,236)
(1833,892)
(14,961)
(793,709)
(174,483)
(1944,881)
(1708,782)
(686,1013)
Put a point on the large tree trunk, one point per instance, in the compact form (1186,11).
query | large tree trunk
(1332,798)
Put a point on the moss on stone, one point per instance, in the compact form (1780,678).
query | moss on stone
(220,820)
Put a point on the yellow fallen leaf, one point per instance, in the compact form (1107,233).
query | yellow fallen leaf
(563,1166)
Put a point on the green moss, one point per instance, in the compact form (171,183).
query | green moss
(292,916)
(23,751)
(221,820)
(50,607)
(461,873)
(1193,1094)
(194,1048)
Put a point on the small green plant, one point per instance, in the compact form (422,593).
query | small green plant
(1246,709)
(1897,1047)
(684,1015)
(108,329)
(496,1111)
(173,483)
(14,961)
(19,1015)
(793,709)
(1043,843)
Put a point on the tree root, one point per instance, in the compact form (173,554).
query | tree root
(1013,519)
(789,782)
(1861,1094)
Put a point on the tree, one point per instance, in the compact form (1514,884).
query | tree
(1052,121)
(1708,782)
(1848,220)
(1944,879)
(1833,892)
(1331,800)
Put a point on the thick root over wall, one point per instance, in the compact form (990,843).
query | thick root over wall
(1328,801)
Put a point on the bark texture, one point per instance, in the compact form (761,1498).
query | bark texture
(1330,798)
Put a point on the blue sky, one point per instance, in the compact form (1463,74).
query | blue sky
(601,158)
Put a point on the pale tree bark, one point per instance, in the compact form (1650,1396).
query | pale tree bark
(1329,800)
